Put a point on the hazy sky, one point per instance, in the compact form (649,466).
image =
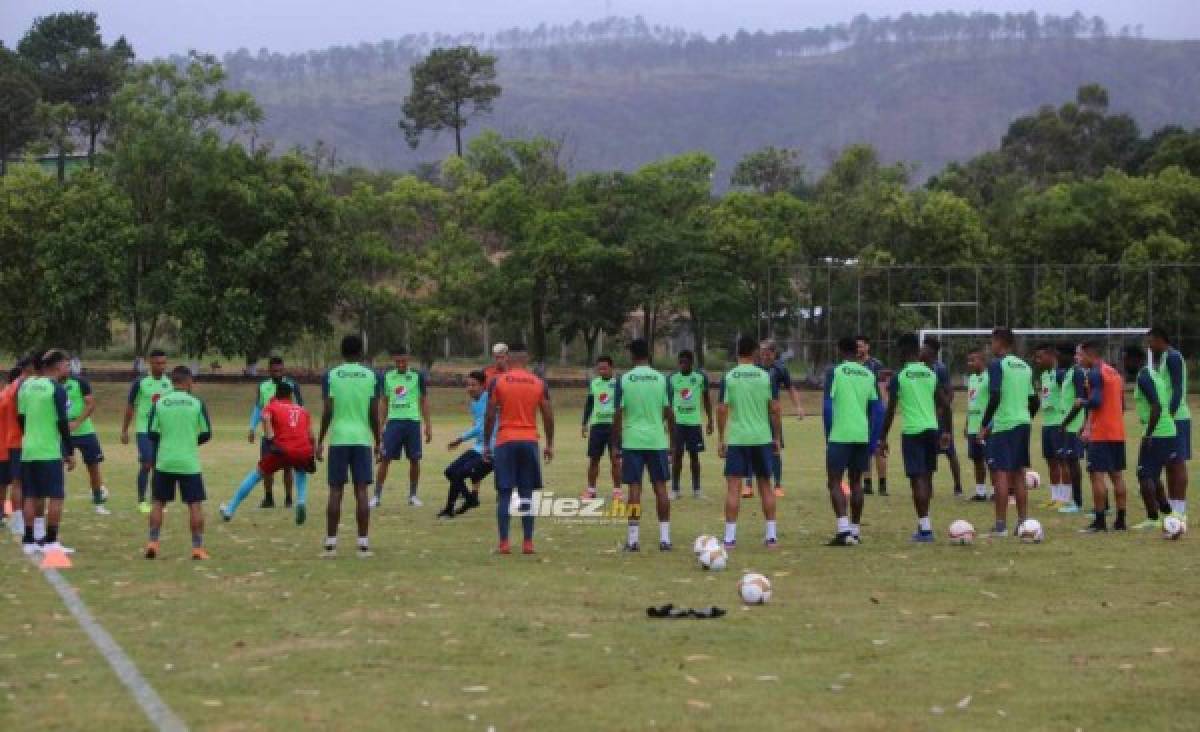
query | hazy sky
(159,27)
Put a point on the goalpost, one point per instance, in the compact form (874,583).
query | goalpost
(1052,334)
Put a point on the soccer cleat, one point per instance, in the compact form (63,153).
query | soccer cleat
(676,495)
(268,501)
(589,494)
(729,544)
(329,552)
(301,514)
(695,494)
(151,550)
(374,501)
(1094,528)
(30,549)
(771,543)
(445,513)
(883,491)
(364,552)
(57,547)
(632,547)
(504,547)
(958,491)
(1147,524)
(527,546)
(618,495)
(664,546)
(471,502)
(415,502)
(779,491)
(1119,524)
(102,510)
(144,507)
(1069,508)
(199,553)
(226,514)
(922,537)
(980,499)
(844,538)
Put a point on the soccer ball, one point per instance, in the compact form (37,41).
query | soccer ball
(1032,479)
(962,533)
(703,543)
(1173,528)
(714,558)
(1030,531)
(754,588)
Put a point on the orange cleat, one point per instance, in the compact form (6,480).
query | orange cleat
(151,550)
(527,546)
(199,553)
(504,547)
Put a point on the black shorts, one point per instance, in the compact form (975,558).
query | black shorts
(401,437)
(89,448)
(636,462)
(1008,449)
(191,487)
(749,461)
(689,437)
(468,466)
(843,456)
(518,466)
(1106,456)
(43,479)
(920,452)
(350,462)
(1155,454)
(975,450)
(599,440)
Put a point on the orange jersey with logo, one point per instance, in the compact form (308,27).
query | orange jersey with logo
(8,415)
(1107,419)
(517,395)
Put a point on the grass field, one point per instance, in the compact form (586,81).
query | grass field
(437,633)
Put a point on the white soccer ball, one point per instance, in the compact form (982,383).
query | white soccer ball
(1173,528)
(705,542)
(714,558)
(962,533)
(754,588)
(1033,479)
(1030,531)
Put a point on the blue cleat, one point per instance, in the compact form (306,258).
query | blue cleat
(922,537)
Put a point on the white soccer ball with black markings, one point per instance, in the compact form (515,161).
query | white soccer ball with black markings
(754,588)
(1030,531)
(962,533)
(1173,528)
(714,558)
(705,542)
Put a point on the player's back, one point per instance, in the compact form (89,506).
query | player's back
(1015,380)
(747,390)
(41,402)
(914,386)
(353,389)
(179,420)
(1108,420)
(642,397)
(290,423)
(518,395)
(852,387)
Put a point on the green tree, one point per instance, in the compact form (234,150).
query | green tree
(449,87)
(18,106)
(770,170)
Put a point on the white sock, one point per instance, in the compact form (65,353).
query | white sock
(1064,493)
(855,529)
(730,531)
(843,524)
(771,531)
(330,541)
(39,528)
(362,542)
(591,489)
(924,524)
(633,533)
(664,532)
(981,489)
(1179,507)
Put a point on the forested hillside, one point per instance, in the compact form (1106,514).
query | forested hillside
(923,89)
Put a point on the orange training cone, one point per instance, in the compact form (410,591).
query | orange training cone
(56,559)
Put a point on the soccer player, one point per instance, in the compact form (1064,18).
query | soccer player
(1049,390)
(1105,435)
(977,401)
(1072,387)
(351,394)
(850,391)
(12,438)
(470,465)
(1172,369)
(781,379)
(81,405)
(287,427)
(515,397)
(914,392)
(598,411)
(143,393)
(1012,403)
(930,351)
(45,448)
(406,407)
(748,428)
(262,397)
(689,394)
(499,363)
(641,428)
(874,365)
(1160,445)
(177,425)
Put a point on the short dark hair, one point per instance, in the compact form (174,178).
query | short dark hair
(1044,346)
(1160,333)
(275,361)
(746,346)
(397,351)
(862,338)
(157,353)
(1092,346)
(847,346)
(975,349)
(14,373)
(180,374)
(908,344)
(479,376)
(283,389)
(687,354)
(639,348)
(1135,353)
(933,344)
(1004,333)
(605,359)
(352,346)
(1065,349)
(53,357)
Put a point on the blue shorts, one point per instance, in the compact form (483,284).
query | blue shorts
(843,456)
(745,461)
(1070,447)
(636,462)
(43,479)
(1009,449)
(1183,434)
(689,437)
(145,448)
(401,437)
(518,467)
(1154,455)
(947,451)
(599,440)
(920,452)
(191,487)
(975,451)
(88,447)
(1106,457)
(1051,437)
(350,462)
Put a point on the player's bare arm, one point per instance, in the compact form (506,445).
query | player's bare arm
(547,410)
(722,421)
(326,419)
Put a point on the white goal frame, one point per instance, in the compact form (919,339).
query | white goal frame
(983,332)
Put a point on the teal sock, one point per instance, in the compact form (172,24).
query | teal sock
(244,489)
(301,488)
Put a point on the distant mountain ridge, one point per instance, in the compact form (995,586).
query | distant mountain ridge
(923,89)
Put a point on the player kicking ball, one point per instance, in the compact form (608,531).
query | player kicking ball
(177,425)
(288,429)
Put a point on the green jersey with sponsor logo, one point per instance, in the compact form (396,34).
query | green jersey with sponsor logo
(42,403)
(851,388)
(1015,380)
(641,396)
(353,389)
(403,390)
(604,402)
(748,392)
(1050,398)
(1149,391)
(77,391)
(977,401)
(687,396)
(180,422)
(915,385)
(142,396)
